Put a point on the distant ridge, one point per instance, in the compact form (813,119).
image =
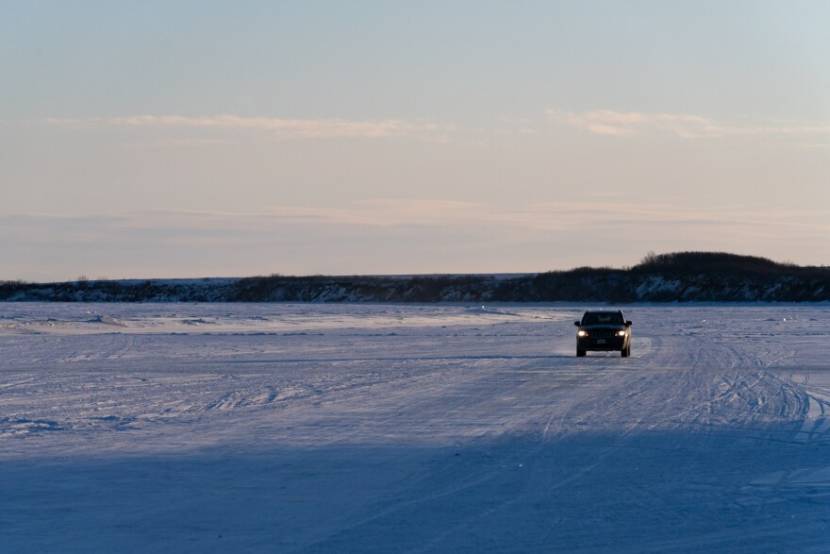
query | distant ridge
(713,261)
(672,277)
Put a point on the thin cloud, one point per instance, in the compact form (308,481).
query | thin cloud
(688,126)
(395,212)
(306,128)
(539,217)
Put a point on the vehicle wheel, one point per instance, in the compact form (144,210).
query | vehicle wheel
(625,352)
(580,353)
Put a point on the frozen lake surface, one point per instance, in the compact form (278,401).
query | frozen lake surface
(409,428)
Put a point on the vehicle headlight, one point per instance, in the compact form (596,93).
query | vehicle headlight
(581,333)
(621,333)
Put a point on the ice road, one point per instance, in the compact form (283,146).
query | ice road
(391,428)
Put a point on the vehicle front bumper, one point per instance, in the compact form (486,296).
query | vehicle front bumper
(600,343)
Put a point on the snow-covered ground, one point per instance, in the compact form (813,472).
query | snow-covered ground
(390,428)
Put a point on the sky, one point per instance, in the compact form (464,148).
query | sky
(199,138)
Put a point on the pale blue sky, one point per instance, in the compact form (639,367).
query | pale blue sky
(231,138)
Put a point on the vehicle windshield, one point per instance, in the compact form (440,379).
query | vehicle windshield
(603,318)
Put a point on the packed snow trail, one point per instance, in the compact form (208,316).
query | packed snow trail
(390,428)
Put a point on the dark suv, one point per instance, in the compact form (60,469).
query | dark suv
(603,331)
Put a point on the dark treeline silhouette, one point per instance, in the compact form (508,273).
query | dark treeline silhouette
(681,276)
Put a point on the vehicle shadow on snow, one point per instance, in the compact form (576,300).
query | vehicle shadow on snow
(716,488)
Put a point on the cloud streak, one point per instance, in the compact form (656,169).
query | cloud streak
(682,125)
(548,216)
(380,213)
(597,122)
(303,128)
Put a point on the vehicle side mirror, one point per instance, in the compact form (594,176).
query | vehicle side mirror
(577,323)
(628,324)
